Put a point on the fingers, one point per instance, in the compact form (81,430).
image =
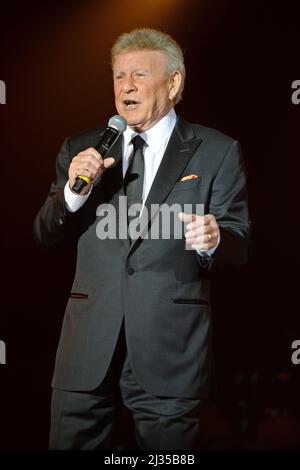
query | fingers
(186,218)
(90,151)
(107,162)
(202,223)
(88,163)
(203,242)
(202,232)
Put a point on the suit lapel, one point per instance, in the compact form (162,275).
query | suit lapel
(115,174)
(181,147)
(114,191)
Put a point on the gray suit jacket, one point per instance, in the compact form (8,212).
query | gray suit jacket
(160,289)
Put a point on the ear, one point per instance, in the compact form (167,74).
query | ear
(175,80)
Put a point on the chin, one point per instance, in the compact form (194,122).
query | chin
(132,122)
(131,116)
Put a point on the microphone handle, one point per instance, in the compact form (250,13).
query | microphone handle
(102,147)
(80,183)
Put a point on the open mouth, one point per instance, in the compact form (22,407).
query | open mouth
(131,104)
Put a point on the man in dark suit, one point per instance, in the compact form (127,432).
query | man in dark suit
(151,295)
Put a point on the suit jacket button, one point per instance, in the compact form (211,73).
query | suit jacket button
(130,270)
(60,221)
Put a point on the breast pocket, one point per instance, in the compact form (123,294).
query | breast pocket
(187,192)
(186,185)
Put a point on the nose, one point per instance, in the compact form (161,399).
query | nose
(128,84)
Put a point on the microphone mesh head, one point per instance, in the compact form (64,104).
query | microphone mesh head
(118,123)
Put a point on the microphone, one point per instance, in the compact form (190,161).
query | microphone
(116,126)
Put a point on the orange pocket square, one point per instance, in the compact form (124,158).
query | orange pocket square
(188,177)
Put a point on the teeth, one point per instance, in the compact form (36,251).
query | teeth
(129,102)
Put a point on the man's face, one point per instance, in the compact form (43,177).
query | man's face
(144,90)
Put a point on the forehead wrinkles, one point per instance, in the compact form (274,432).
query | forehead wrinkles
(130,62)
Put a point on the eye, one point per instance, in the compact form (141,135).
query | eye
(140,74)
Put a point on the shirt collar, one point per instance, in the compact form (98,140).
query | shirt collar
(156,135)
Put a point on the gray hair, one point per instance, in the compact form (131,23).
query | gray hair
(148,38)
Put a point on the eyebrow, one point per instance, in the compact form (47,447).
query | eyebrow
(122,72)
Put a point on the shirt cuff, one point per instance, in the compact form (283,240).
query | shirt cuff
(75,201)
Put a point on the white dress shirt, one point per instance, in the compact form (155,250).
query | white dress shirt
(156,138)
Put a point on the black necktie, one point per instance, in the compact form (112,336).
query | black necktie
(134,178)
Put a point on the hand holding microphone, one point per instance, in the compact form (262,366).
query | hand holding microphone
(89,164)
(85,168)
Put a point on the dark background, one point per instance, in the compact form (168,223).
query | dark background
(241,59)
